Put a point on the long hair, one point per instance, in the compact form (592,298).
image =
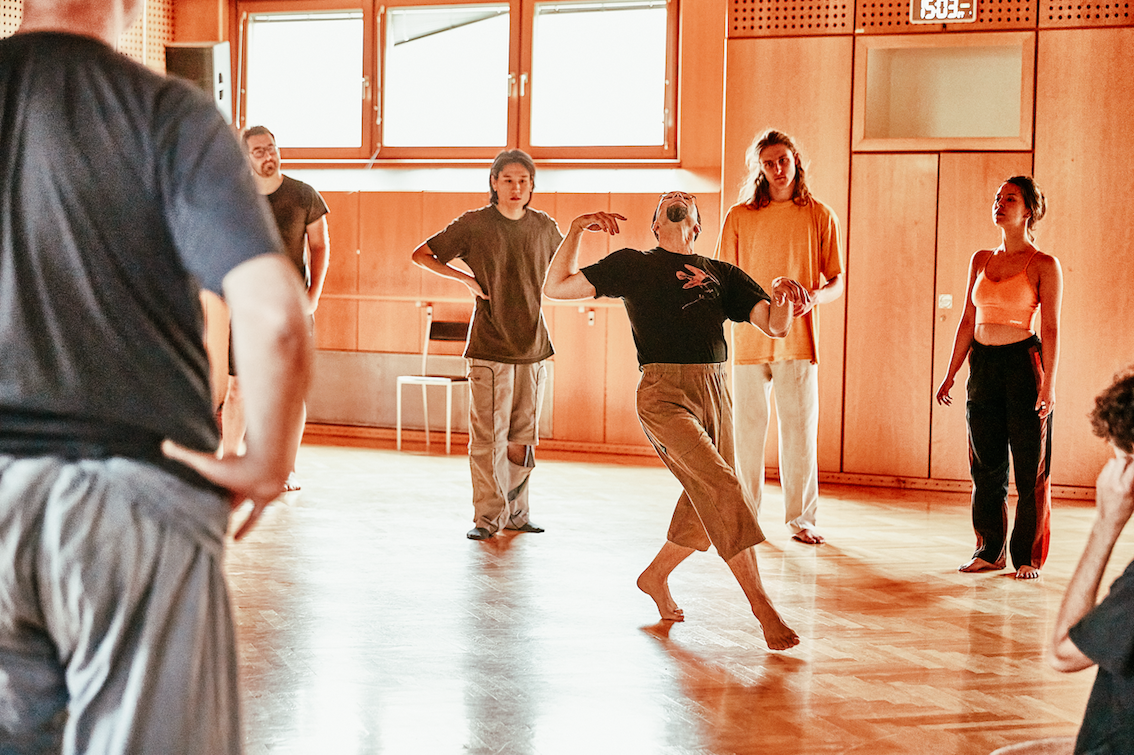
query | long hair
(502,161)
(1033,199)
(754,192)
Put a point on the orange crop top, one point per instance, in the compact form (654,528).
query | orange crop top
(1011,301)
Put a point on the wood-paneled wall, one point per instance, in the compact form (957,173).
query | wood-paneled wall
(914,219)
(373,296)
(1084,106)
(911,222)
(784,84)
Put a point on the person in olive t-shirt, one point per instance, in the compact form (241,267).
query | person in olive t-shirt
(301,216)
(506,248)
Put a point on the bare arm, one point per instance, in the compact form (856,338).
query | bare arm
(423,257)
(319,252)
(564,281)
(269,329)
(1051,300)
(1114,499)
(775,317)
(963,340)
(827,292)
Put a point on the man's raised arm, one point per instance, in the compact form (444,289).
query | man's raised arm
(564,281)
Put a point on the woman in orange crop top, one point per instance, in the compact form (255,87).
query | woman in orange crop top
(1011,385)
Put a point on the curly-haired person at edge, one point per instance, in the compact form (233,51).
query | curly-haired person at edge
(1090,632)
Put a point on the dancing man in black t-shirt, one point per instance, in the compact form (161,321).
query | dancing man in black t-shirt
(677,302)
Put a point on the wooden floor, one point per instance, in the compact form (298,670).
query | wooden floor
(369,624)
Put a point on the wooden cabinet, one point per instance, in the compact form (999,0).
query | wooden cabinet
(890,315)
(1085,87)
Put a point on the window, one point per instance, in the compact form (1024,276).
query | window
(615,94)
(328,73)
(446,74)
(431,79)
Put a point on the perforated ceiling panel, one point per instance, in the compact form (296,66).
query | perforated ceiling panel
(1063,14)
(145,41)
(887,17)
(789,18)
(11,12)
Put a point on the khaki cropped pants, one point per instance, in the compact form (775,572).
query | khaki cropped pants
(686,412)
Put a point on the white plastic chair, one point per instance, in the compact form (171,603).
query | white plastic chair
(440,330)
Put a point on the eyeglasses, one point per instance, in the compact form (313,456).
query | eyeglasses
(680,194)
(261,152)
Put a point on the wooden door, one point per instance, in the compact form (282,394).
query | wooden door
(890,307)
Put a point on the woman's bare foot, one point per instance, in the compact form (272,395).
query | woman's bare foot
(658,589)
(978,565)
(1027,572)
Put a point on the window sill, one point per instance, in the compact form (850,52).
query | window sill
(575,178)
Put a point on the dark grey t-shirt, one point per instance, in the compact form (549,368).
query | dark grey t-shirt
(677,303)
(295,206)
(509,259)
(1106,636)
(124,193)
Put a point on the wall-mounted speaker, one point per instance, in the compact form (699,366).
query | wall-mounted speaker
(206,64)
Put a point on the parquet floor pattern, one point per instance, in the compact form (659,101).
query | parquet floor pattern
(369,624)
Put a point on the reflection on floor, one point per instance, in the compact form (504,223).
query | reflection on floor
(369,624)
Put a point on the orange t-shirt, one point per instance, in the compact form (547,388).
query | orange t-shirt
(783,238)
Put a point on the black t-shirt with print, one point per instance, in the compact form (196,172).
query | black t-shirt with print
(677,303)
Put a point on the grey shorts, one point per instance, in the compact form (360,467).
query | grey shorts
(116,634)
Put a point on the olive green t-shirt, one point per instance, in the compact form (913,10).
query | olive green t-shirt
(509,259)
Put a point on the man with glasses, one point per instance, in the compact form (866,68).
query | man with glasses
(301,216)
(677,302)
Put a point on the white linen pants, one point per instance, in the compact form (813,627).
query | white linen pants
(796,383)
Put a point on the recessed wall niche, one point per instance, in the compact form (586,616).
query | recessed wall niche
(944,92)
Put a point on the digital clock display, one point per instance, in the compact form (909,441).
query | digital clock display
(942,11)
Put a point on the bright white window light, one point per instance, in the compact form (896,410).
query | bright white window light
(305,78)
(446,80)
(598,73)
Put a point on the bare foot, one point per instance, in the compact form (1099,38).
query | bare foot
(809,536)
(292,483)
(659,591)
(978,565)
(777,634)
(1027,572)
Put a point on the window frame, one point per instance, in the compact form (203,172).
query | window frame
(521,30)
(248,8)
